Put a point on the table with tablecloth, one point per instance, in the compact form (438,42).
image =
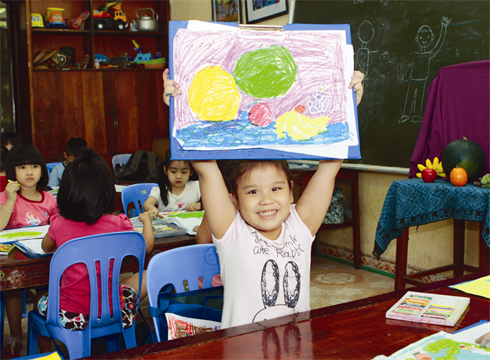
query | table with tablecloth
(413,202)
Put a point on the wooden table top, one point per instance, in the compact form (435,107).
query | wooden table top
(18,271)
(355,330)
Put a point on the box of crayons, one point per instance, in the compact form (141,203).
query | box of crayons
(429,308)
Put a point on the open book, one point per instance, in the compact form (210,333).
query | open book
(429,308)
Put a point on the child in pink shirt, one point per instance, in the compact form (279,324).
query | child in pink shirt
(24,203)
(86,199)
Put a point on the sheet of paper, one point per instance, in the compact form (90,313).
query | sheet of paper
(195,134)
(119,188)
(34,245)
(480,287)
(474,332)
(28,232)
(189,222)
(443,346)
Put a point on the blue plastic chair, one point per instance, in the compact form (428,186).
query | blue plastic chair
(119,159)
(136,194)
(51,166)
(166,268)
(89,250)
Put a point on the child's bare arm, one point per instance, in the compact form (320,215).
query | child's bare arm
(150,206)
(315,200)
(220,211)
(145,219)
(48,245)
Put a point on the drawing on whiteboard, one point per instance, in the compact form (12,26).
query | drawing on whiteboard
(249,89)
(419,71)
(365,33)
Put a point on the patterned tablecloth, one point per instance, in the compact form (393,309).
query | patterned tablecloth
(414,202)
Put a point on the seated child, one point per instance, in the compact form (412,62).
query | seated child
(86,199)
(24,203)
(174,192)
(72,149)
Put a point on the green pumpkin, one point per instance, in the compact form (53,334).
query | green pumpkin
(465,154)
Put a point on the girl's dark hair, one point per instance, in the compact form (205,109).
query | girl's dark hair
(87,189)
(26,154)
(240,168)
(163,181)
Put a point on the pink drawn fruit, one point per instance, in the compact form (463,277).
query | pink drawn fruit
(260,115)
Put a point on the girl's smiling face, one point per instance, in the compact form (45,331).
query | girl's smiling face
(264,197)
(28,175)
(178,173)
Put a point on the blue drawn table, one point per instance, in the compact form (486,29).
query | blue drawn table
(414,202)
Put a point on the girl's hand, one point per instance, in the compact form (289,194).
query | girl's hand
(193,207)
(153,212)
(146,218)
(484,340)
(11,189)
(356,83)
(170,88)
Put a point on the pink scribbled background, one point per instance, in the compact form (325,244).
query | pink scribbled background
(318,55)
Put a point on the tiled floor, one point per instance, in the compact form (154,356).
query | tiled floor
(332,283)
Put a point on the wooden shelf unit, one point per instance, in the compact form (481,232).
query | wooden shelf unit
(115,110)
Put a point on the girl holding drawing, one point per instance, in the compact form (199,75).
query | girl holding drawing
(86,199)
(174,192)
(24,203)
(262,239)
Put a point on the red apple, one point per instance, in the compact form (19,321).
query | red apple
(429,175)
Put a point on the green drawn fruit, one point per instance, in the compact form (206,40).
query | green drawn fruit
(265,73)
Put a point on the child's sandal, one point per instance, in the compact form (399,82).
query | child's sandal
(13,348)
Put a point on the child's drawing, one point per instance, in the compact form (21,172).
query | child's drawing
(252,89)
(419,72)
(442,346)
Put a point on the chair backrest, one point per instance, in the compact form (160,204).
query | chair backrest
(119,159)
(89,250)
(188,263)
(50,166)
(136,194)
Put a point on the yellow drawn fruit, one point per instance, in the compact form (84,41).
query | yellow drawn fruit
(213,95)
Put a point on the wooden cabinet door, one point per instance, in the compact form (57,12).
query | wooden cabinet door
(115,111)
(140,112)
(69,104)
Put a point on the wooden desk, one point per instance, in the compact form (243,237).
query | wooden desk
(18,271)
(413,202)
(356,330)
(352,176)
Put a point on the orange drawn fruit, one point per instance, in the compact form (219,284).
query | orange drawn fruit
(458,176)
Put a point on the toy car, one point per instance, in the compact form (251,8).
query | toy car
(37,20)
(54,18)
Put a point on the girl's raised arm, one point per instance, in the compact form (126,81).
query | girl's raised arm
(219,209)
(315,200)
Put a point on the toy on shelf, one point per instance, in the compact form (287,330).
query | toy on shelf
(54,18)
(37,20)
(110,16)
(147,59)
(78,22)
